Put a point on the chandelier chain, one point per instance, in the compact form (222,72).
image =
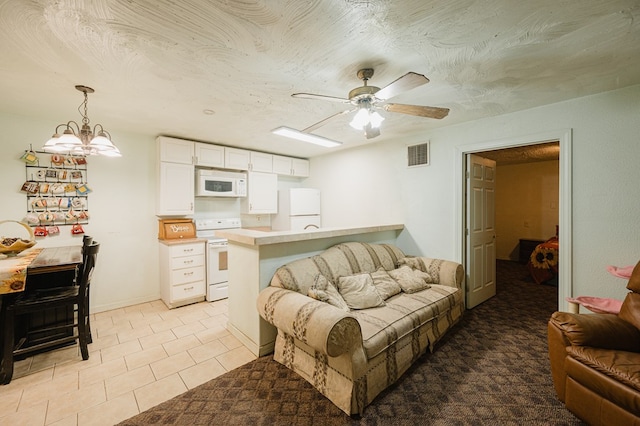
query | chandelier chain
(85,115)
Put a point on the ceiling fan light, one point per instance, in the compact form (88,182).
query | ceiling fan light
(375,119)
(360,119)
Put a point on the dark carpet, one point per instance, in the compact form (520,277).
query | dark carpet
(490,369)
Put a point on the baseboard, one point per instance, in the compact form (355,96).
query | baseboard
(124,303)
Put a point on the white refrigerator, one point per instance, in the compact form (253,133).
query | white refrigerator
(298,210)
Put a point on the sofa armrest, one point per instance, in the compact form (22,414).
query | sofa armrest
(605,331)
(320,325)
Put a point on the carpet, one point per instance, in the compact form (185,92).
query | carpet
(490,369)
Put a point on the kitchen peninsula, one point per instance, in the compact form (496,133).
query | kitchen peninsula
(254,257)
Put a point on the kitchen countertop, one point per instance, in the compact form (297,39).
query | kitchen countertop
(175,241)
(253,237)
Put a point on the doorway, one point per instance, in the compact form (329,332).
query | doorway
(563,138)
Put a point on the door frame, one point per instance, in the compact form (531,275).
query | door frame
(565,137)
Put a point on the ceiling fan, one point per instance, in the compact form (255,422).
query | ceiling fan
(367,99)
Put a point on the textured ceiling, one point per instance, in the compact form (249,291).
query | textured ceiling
(524,154)
(156,65)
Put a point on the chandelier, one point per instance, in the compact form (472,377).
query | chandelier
(82,139)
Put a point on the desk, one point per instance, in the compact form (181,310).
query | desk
(51,267)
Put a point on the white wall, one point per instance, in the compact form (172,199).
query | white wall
(371,184)
(122,209)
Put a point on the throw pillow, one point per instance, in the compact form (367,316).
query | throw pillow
(384,284)
(323,290)
(358,291)
(411,280)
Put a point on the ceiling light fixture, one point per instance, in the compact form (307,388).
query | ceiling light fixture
(82,140)
(305,137)
(366,116)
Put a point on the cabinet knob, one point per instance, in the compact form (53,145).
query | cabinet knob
(188,288)
(186,274)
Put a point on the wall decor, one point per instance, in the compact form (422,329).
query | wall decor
(57,191)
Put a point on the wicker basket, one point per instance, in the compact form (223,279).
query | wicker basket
(19,244)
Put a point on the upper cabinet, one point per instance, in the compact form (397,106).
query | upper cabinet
(175,150)
(261,162)
(242,159)
(235,158)
(262,196)
(175,189)
(209,155)
(300,167)
(288,166)
(175,195)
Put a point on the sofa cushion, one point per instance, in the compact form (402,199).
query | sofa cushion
(323,290)
(359,292)
(385,285)
(404,313)
(411,280)
(619,365)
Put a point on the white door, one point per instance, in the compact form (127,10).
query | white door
(481,233)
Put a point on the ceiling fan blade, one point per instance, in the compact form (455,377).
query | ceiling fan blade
(321,97)
(409,81)
(325,121)
(420,111)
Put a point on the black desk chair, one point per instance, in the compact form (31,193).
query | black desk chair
(75,297)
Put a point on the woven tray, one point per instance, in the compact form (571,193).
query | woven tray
(11,246)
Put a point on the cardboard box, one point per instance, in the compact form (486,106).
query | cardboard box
(172,229)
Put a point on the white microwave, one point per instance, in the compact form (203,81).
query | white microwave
(217,183)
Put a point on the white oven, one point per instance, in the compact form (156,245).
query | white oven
(216,255)
(217,270)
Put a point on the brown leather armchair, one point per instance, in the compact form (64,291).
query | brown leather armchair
(595,361)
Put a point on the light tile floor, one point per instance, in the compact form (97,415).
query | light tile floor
(141,356)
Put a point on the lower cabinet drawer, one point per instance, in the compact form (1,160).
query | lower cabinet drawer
(187,261)
(185,291)
(186,275)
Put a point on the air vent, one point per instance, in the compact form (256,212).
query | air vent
(418,155)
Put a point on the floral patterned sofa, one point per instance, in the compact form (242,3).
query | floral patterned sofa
(348,341)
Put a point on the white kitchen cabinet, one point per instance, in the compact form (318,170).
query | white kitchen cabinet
(208,155)
(238,159)
(175,150)
(182,272)
(262,195)
(261,162)
(300,167)
(288,166)
(175,189)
